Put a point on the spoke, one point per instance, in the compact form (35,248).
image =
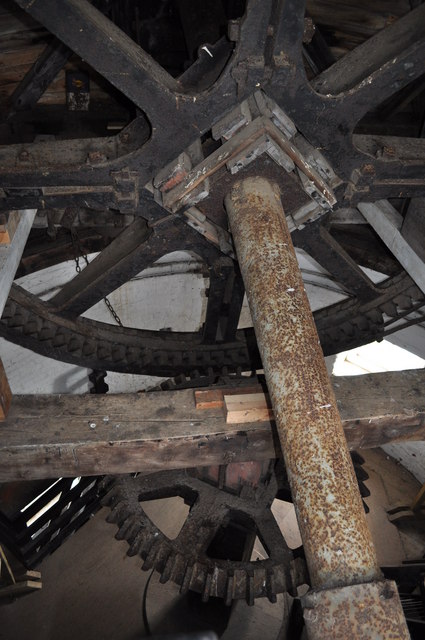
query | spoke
(204,520)
(378,68)
(114,266)
(110,52)
(234,306)
(270,534)
(288,17)
(220,279)
(254,28)
(124,258)
(134,250)
(65,163)
(319,243)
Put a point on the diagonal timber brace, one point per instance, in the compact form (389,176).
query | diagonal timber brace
(338,546)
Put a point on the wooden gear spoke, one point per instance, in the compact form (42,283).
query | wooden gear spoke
(376,69)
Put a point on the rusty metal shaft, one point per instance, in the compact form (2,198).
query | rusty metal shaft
(337,542)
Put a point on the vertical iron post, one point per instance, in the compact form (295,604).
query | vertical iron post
(337,542)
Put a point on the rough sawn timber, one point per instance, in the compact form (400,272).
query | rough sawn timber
(54,436)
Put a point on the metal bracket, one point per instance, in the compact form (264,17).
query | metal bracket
(255,127)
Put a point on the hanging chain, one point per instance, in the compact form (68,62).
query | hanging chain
(79,252)
(112,311)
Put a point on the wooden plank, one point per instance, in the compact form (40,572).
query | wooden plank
(253,407)
(5,393)
(214,398)
(10,254)
(53,436)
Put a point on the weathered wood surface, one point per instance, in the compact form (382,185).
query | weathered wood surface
(52,436)
(10,254)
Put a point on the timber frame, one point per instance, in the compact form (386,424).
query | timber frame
(66,435)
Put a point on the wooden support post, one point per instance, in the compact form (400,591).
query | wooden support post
(67,435)
(5,393)
(13,237)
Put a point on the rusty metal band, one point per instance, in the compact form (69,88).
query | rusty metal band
(338,545)
(360,611)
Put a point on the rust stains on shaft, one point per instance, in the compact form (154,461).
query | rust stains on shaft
(337,543)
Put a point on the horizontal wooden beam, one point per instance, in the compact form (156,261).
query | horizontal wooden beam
(67,435)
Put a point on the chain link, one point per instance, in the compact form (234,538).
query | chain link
(79,252)
(112,311)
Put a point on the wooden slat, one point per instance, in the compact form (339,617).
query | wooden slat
(5,393)
(52,436)
(214,398)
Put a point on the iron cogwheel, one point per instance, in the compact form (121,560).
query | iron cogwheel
(184,560)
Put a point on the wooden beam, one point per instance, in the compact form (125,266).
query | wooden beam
(67,435)
(11,249)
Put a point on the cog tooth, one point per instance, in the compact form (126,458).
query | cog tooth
(187,578)
(146,544)
(151,557)
(207,587)
(126,528)
(250,597)
(118,513)
(137,544)
(228,599)
(271,586)
(168,569)
(137,526)
(111,497)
